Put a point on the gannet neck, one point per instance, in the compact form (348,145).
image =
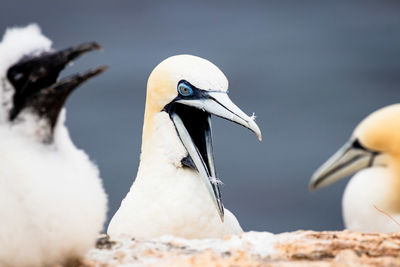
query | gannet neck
(371,195)
(157,90)
(161,146)
(368,199)
(380,132)
(392,193)
(166,197)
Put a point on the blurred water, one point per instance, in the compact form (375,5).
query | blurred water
(311,70)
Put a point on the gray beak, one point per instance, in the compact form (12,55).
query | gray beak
(192,122)
(349,159)
(219,104)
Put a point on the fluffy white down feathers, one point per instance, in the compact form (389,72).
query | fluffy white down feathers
(52,202)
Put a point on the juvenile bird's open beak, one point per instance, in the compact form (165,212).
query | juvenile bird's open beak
(35,81)
(49,101)
(192,121)
(349,159)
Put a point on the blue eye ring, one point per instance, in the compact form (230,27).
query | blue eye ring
(185,89)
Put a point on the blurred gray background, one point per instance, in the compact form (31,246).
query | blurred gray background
(310,70)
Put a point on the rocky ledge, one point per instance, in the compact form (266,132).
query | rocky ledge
(301,248)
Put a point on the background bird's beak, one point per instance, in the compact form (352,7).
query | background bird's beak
(219,104)
(346,161)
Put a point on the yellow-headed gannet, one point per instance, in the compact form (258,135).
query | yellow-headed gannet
(52,202)
(176,189)
(371,201)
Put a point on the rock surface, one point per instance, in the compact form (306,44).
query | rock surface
(301,248)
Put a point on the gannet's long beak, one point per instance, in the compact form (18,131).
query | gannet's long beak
(192,121)
(349,159)
(219,104)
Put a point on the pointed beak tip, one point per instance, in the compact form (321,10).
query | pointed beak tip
(102,69)
(252,125)
(258,134)
(92,46)
(312,187)
(72,82)
(69,55)
(96,71)
(98,46)
(77,51)
(315,183)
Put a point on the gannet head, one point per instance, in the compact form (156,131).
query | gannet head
(191,89)
(375,140)
(29,89)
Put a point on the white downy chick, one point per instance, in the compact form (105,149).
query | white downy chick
(52,201)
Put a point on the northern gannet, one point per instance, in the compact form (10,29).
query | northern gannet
(371,201)
(52,202)
(176,190)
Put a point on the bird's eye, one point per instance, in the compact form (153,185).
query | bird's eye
(184,89)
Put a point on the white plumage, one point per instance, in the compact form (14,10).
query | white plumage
(168,197)
(52,202)
(371,201)
(367,205)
